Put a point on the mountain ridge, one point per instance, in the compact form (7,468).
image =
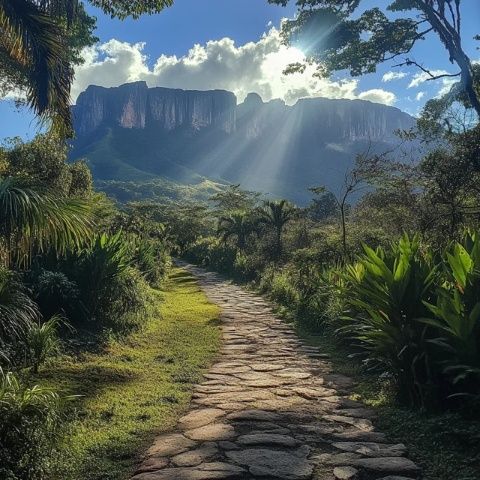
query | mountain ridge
(133,131)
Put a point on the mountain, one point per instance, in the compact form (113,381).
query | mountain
(133,133)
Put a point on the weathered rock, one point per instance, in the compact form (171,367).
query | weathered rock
(205,471)
(170,444)
(194,457)
(267,439)
(387,465)
(345,473)
(212,432)
(371,449)
(273,463)
(254,415)
(199,418)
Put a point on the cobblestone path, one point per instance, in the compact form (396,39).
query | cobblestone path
(270,408)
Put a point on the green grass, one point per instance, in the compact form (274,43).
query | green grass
(137,388)
(446,445)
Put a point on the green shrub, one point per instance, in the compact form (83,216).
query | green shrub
(29,426)
(42,341)
(152,259)
(457,317)
(112,291)
(386,292)
(17,312)
(55,294)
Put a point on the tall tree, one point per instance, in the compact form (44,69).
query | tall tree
(236,225)
(276,215)
(334,34)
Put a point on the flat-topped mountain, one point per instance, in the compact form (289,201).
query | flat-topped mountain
(136,133)
(134,105)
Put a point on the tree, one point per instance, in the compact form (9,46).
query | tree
(238,225)
(233,198)
(42,164)
(40,41)
(334,35)
(323,205)
(31,221)
(276,214)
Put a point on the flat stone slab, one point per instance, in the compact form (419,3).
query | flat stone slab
(199,418)
(170,444)
(267,439)
(206,471)
(371,449)
(345,473)
(400,465)
(212,432)
(274,463)
(195,457)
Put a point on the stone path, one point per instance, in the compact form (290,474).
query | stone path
(270,408)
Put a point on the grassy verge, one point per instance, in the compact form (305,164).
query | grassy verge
(136,388)
(446,446)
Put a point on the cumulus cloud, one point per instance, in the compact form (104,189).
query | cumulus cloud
(422,77)
(389,76)
(378,95)
(219,64)
(419,96)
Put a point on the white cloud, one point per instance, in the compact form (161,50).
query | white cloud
(419,96)
(389,76)
(422,77)
(219,64)
(378,95)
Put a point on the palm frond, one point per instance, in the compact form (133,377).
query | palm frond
(36,42)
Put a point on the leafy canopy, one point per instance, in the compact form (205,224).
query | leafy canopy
(340,35)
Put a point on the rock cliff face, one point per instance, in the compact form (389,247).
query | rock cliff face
(265,146)
(134,105)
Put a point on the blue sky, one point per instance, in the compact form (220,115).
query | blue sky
(238,48)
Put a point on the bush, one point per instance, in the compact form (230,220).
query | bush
(17,312)
(112,291)
(152,259)
(42,341)
(29,427)
(457,317)
(386,293)
(55,293)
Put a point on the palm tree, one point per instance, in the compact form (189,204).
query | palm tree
(238,225)
(276,214)
(33,221)
(32,44)
(34,48)
(17,310)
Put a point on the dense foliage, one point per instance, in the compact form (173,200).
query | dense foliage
(75,270)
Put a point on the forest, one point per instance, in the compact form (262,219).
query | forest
(102,335)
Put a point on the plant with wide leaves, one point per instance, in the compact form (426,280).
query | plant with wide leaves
(457,316)
(385,293)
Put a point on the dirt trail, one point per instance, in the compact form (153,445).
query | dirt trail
(270,408)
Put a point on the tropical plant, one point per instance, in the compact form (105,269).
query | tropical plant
(386,292)
(32,221)
(40,42)
(56,294)
(17,311)
(237,225)
(275,215)
(151,258)
(42,341)
(457,316)
(29,424)
(110,288)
